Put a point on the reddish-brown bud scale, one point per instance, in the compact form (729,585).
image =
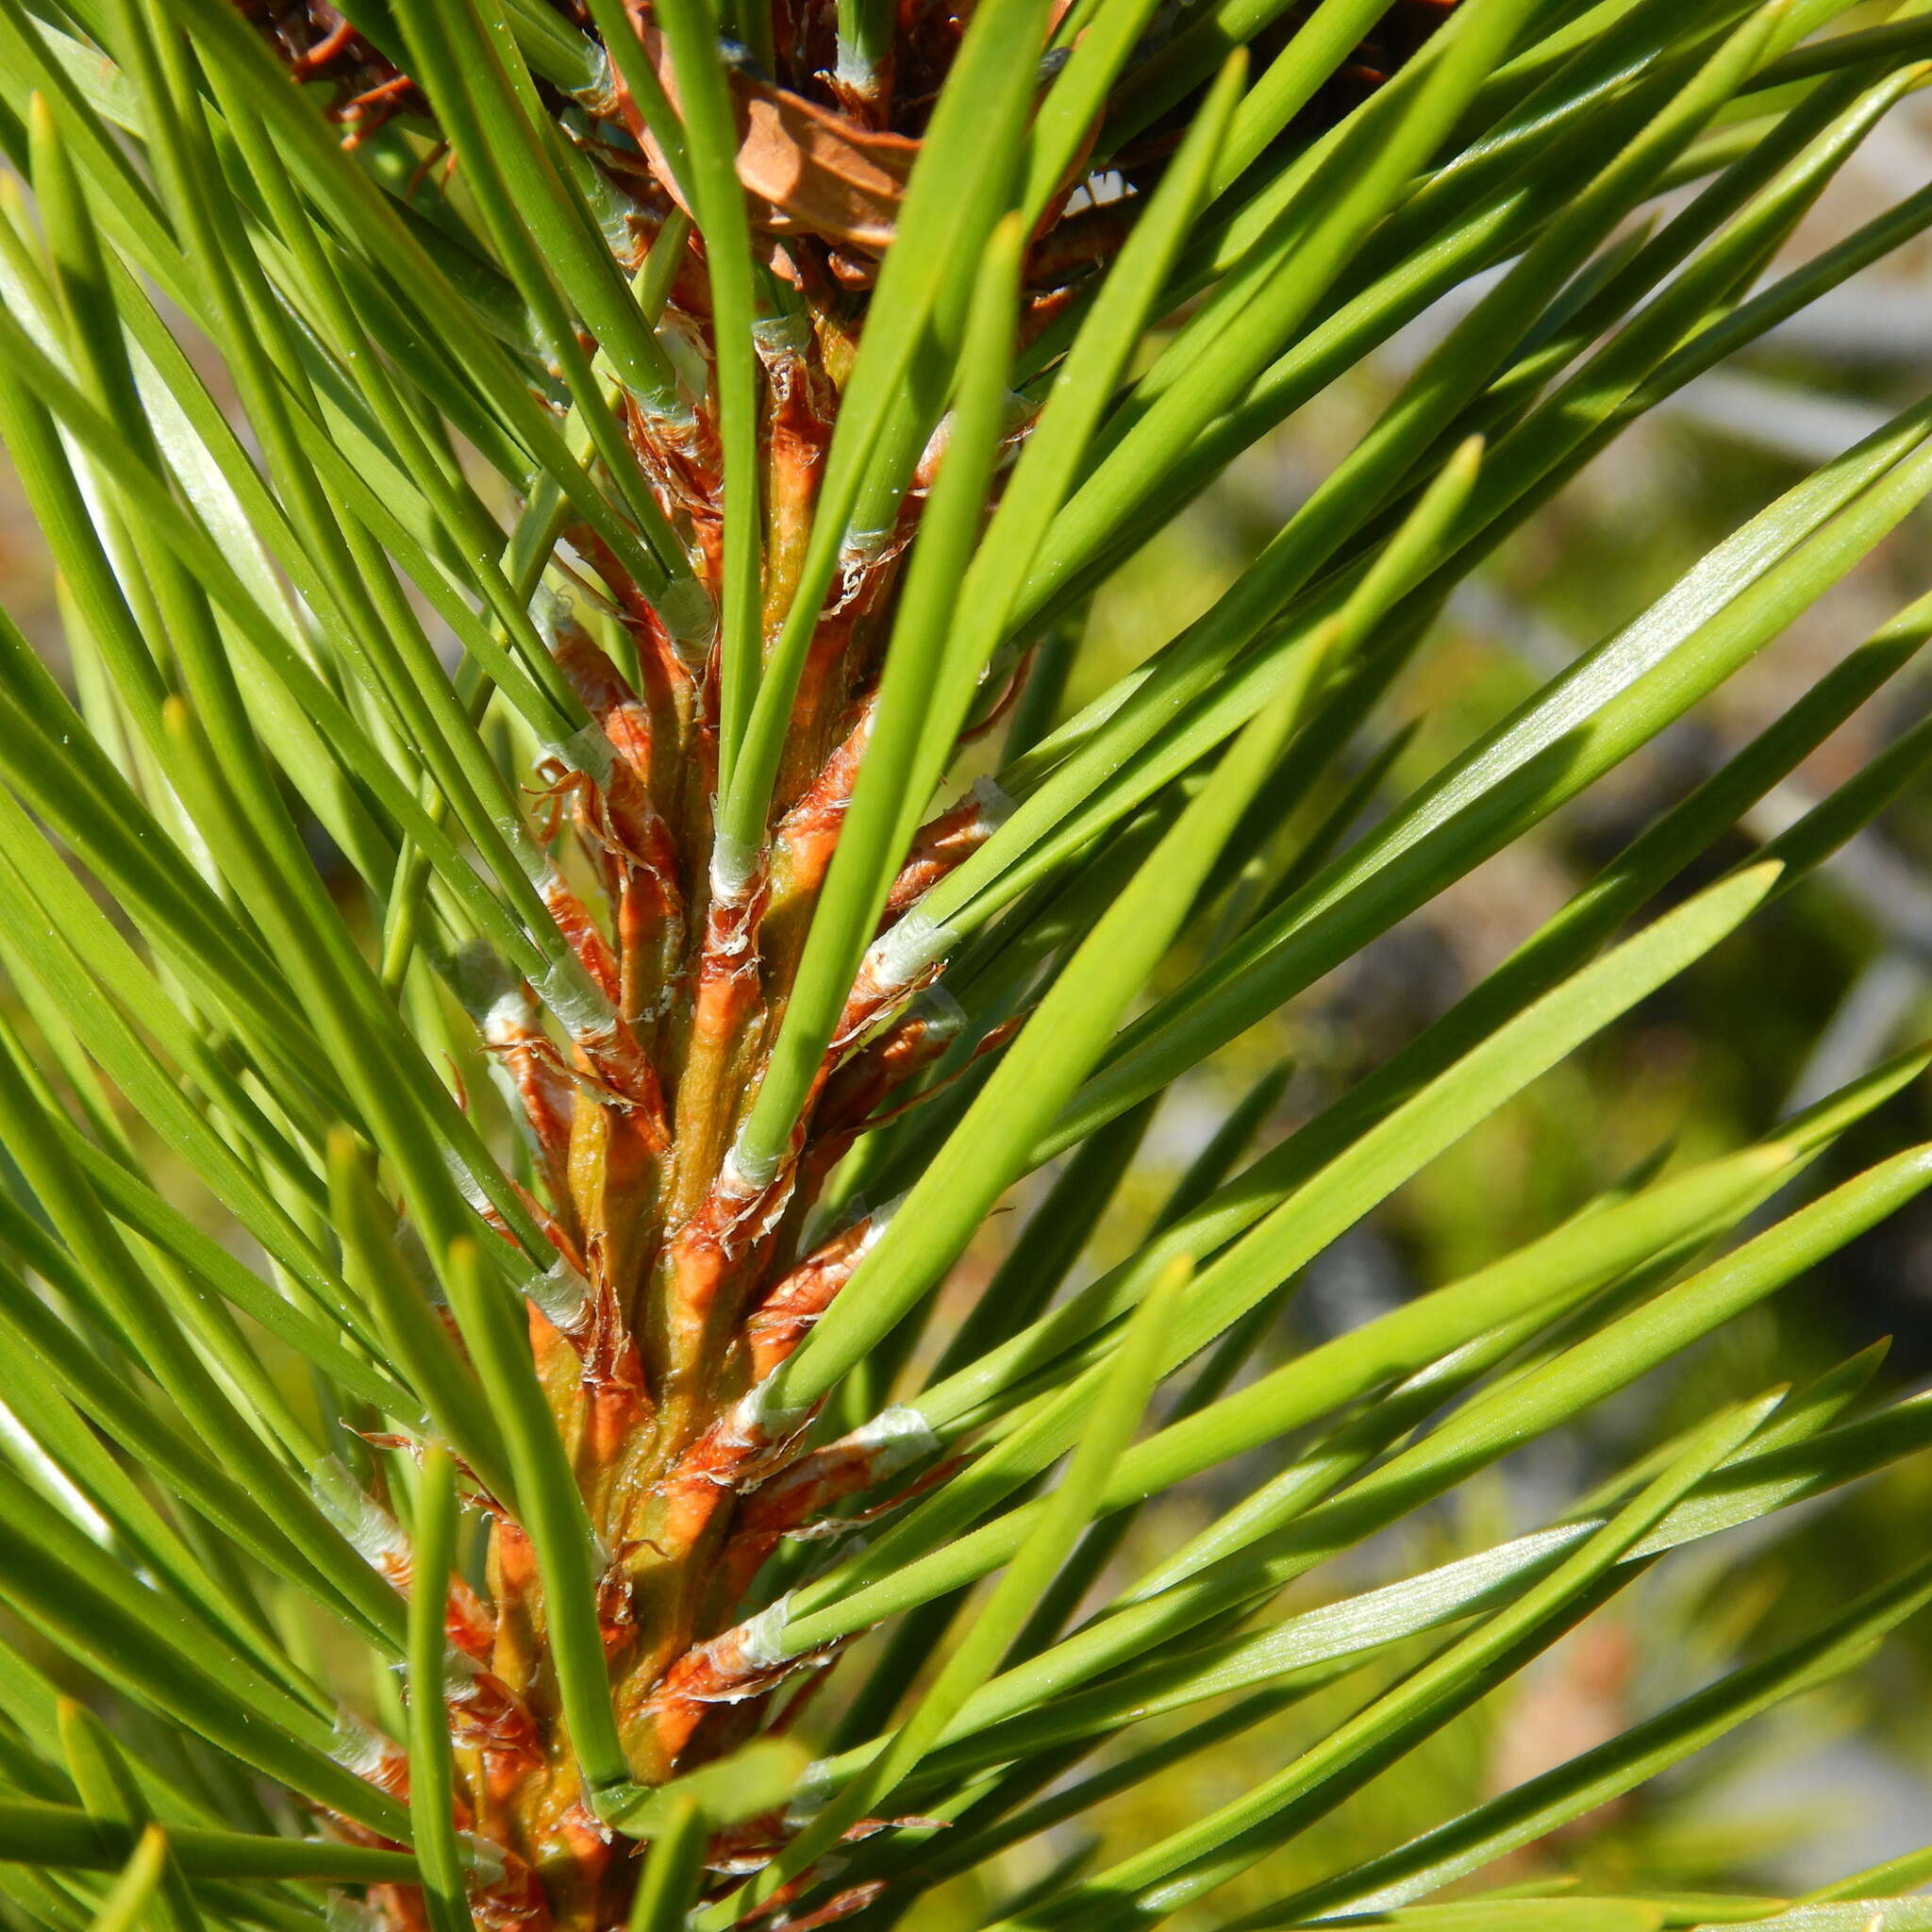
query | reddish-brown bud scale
(786,1316)
(943,843)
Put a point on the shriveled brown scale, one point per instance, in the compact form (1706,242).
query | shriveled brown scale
(321,43)
(777,1324)
(1073,247)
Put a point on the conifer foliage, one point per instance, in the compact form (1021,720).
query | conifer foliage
(552,886)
